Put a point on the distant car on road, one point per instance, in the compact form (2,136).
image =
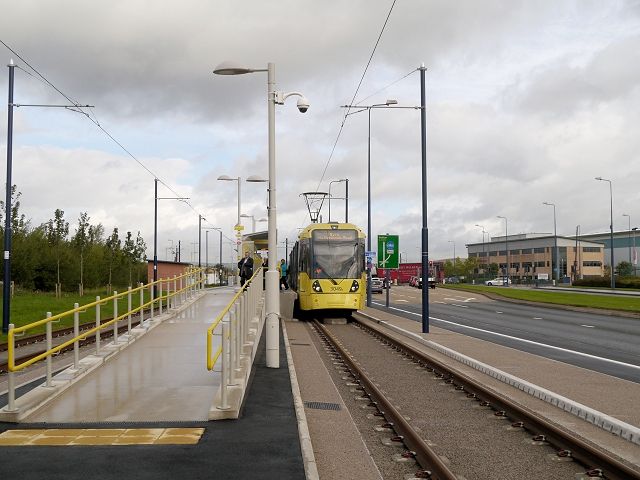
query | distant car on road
(498,281)
(377,285)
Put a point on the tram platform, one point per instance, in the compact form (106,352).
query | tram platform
(141,436)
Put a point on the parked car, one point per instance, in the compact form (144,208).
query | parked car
(498,281)
(377,284)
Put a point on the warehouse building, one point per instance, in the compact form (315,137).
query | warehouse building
(532,257)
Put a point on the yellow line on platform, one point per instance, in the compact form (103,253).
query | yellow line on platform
(101,436)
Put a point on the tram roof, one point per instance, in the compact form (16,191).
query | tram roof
(306,232)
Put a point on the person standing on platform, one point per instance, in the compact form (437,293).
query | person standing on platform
(283,275)
(246,268)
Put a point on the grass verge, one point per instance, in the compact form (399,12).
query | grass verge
(603,302)
(29,307)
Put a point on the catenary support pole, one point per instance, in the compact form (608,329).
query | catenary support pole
(425,229)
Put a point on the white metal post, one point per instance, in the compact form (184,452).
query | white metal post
(238,336)
(129,306)
(98,324)
(76,332)
(225,366)
(153,300)
(141,303)
(233,348)
(115,316)
(49,345)
(175,292)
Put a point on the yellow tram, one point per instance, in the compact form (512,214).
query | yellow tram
(327,268)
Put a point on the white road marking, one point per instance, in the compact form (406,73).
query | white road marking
(588,326)
(443,303)
(400,300)
(537,318)
(461,306)
(531,342)
(498,311)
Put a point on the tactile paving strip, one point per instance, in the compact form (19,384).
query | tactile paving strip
(101,436)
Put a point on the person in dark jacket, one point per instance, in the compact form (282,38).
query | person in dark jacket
(246,268)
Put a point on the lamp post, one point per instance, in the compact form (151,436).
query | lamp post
(454,254)
(635,252)
(555,242)
(484,258)
(227,178)
(506,241)
(253,221)
(629,217)
(613,265)
(368,108)
(155,225)
(346,198)
(272,280)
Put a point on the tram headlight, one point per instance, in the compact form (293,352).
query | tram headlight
(316,287)
(355,286)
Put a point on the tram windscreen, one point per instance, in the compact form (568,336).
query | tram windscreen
(337,254)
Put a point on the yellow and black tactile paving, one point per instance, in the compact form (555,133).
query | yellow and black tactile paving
(101,436)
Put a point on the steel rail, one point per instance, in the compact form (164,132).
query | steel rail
(424,454)
(567,443)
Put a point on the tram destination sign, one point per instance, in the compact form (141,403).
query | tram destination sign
(388,251)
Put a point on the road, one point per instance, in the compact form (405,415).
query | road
(598,342)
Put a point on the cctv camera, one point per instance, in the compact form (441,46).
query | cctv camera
(303,104)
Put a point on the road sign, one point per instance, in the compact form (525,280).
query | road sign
(239,228)
(389,248)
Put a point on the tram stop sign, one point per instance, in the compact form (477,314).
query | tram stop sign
(388,251)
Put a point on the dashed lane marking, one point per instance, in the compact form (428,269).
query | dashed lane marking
(588,326)
(524,340)
(537,318)
(461,306)
(101,436)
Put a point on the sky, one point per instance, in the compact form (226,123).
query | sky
(527,102)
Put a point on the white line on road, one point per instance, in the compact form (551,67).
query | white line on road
(461,306)
(588,326)
(537,318)
(531,342)
(400,300)
(498,311)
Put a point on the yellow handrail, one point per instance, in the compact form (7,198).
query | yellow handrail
(19,330)
(212,361)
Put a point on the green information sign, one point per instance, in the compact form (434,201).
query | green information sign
(388,251)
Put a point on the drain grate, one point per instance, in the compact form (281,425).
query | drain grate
(322,405)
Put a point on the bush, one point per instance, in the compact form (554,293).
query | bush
(624,282)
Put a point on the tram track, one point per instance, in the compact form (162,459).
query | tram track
(444,443)
(61,333)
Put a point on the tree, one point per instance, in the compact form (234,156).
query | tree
(80,241)
(624,269)
(140,251)
(56,231)
(129,251)
(19,223)
(492,270)
(114,249)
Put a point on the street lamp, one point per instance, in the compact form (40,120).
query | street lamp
(368,108)
(506,241)
(253,221)
(629,216)
(454,253)
(346,198)
(484,258)
(272,279)
(155,225)
(207,249)
(555,241)
(635,252)
(613,266)
(227,178)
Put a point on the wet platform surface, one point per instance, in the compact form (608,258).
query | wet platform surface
(263,443)
(161,377)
